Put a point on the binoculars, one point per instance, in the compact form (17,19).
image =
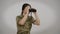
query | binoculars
(32,10)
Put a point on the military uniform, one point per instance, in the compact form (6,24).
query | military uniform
(24,29)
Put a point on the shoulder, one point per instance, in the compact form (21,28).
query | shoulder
(19,16)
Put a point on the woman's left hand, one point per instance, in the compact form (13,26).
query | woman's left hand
(35,13)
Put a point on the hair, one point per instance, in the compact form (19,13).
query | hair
(24,6)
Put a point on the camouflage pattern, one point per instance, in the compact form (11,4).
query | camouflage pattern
(24,29)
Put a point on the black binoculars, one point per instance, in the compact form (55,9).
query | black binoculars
(32,10)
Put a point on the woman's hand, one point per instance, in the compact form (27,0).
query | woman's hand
(26,13)
(35,13)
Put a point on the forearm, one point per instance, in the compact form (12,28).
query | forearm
(37,20)
(22,21)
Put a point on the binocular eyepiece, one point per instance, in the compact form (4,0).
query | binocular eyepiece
(32,10)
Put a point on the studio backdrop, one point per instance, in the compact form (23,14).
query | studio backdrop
(48,11)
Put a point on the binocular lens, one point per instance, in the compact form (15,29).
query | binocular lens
(32,10)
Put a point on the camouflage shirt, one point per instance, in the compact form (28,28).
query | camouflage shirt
(24,29)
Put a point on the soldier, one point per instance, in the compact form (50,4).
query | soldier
(24,21)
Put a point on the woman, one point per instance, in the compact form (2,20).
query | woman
(24,21)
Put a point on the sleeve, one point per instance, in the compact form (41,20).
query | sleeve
(18,18)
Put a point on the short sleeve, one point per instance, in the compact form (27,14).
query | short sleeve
(18,18)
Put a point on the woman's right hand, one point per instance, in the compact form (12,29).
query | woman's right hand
(27,13)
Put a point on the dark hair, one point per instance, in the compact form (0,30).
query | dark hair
(25,5)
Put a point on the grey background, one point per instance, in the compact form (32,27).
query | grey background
(48,10)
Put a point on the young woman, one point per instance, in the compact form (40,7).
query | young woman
(24,21)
